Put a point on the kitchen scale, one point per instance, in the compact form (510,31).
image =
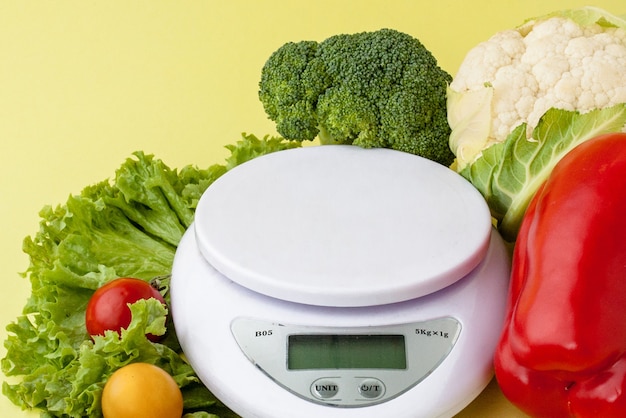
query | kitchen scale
(337,281)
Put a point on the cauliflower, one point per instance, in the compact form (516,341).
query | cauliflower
(573,60)
(526,97)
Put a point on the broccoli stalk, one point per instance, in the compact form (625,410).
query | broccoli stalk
(372,89)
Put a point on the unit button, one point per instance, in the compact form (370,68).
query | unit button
(324,388)
(371,388)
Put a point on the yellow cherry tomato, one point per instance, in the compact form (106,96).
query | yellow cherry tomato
(141,390)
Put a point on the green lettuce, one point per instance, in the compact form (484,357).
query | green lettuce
(509,173)
(127,227)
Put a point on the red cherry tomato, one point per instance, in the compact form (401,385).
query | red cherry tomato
(108,307)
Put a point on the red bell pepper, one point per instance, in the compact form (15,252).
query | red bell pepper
(562,352)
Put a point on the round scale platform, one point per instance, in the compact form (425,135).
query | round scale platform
(342,226)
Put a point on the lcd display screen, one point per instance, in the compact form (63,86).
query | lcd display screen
(346,352)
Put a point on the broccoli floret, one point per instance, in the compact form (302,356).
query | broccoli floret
(372,89)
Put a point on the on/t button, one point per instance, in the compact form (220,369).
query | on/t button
(371,388)
(324,388)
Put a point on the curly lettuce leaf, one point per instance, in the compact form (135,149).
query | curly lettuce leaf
(251,147)
(509,173)
(157,206)
(75,389)
(129,226)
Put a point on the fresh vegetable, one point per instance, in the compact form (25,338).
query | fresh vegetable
(128,227)
(372,89)
(508,174)
(108,309)
(510,85)
(563,349)
(141,390)
(570,59)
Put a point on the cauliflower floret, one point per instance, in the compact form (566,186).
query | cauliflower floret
(552,62)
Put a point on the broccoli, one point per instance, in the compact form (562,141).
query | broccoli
(372,89)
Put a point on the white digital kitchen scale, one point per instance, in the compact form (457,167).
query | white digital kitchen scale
(337,281)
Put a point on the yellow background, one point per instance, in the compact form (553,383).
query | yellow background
(83,84)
